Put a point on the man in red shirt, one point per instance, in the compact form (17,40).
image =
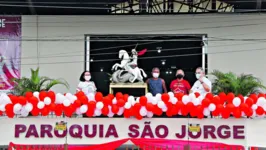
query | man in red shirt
(180,85)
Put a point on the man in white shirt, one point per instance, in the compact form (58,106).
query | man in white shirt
(202,85)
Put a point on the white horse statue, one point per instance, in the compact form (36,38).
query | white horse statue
(130,67)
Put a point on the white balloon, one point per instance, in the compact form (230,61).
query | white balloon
(236,101)
(121,111)
(264,107)
(114,101)
(148,95)
(97,112)
(158,97)
(137,99)
(2,107)
(154,101)
(83,109)
(36,94)
(212,107)
(59,98)
(143,111)
(191,96)
(149,114)
(110,114)
(173,100)
(206,112)
(73,99)
(47,100)
(68,96)
(130,99)
(261,101)
(161,104)
(91,96)
(40,105)
(254,106)
(186,99)
(17,107)
(133,103)
(201,98)
(24,112)
(171,94)
(78,112)
(99,105)
(164,109)
(245,98)
(28,107)
(66,102)
(127,105)
(196,101)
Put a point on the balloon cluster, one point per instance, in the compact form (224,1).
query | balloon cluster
(222,105)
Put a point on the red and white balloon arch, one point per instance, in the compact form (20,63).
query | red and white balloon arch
(223,105)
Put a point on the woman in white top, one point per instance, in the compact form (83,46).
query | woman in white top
(85,84)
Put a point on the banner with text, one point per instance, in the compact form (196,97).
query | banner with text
(102,130)
(10,50)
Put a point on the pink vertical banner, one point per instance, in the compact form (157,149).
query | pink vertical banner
(10,50)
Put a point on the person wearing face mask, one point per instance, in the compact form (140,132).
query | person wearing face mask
(180,85)
(85,84)
(203,85)
(156,85)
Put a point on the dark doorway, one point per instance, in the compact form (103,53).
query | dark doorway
(168,52)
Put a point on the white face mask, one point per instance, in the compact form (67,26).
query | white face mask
(155,75)
(87,78)
(198,76)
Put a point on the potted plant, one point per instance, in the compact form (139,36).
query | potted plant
(35,83)
(243,84)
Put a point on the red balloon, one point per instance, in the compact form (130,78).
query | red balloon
(169,113)
(241,98)
(90,112)
(34,101)
(92,104)
(45,111)
(190,106)
(120,102)
(179,96)
(137,107)
(22,100)
(139,117)
(119,95)
(165,97)
(77,103)
(125,97)
(260,111)
(209,96)
(249,101)
(35,111)
(42,95)
(126,113)
(1,113)
(219,108)
(52,107)
(111,96)
(230,107)
(197,94)
(84,100)
(80,94)
(14,99)
(205,102)
(98,96)
(179,104)
(222,96)
(28,94)
(115,109)
(230,97)
(217,100)
(249,112)
(225,114)
(105,110)
(237,113)
(184,111)
(215,113)
(174,110)
(51,94)
(10,114)
(261,95)
(244,107)
(254,97)
(9,107)
(149,106)
(107,100)
(157,111)
(143,100)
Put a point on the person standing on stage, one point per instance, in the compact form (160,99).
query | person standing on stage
(156,85)
(180,85)
(86,85)
(203,85)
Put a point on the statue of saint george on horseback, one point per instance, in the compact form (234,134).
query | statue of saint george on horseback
(128,68)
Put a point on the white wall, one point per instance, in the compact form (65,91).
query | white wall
(237,56)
